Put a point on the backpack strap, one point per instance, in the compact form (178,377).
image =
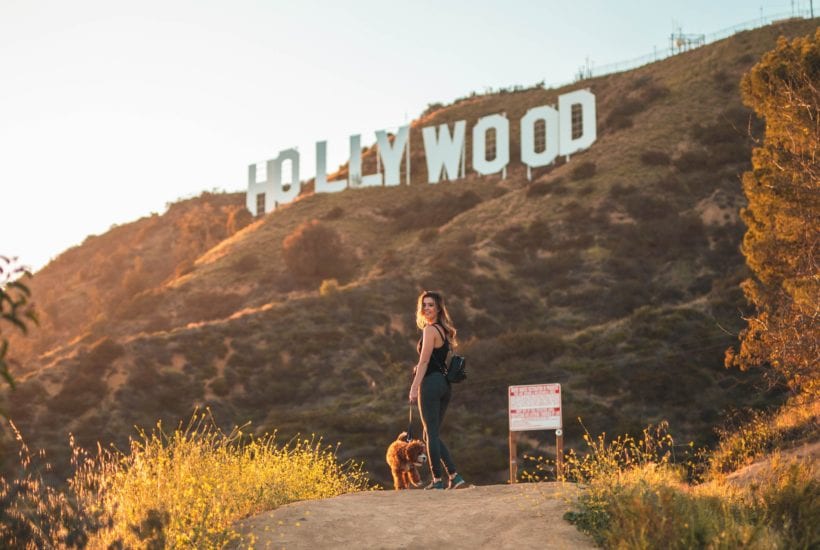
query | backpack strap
(443,337)
(442,368)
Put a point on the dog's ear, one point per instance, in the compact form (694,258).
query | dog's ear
(415,449)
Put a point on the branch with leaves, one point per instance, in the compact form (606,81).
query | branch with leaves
(782,243)
(16,308)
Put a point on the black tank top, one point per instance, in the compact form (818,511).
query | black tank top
(439,356)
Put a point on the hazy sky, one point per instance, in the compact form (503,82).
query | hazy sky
(111,109)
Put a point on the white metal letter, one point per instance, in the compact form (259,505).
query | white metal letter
(355,177)
(586,100)
(442,150)
(322,185)
(502,144)
(257,187)
(391,154)
(280,194)
(528,154)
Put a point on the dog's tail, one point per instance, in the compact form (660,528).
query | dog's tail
(402,436)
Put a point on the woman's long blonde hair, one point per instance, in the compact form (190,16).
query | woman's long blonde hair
(443,315)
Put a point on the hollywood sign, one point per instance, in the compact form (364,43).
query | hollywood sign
(566,130)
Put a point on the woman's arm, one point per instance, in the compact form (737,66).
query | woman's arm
(428,341)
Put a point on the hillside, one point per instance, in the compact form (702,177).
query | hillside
(615,274)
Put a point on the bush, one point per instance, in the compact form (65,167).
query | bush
(432,108)
(750,435)
(183,489)
(583,171)
(788,496)
(238,218)
(437,210)
(246,264)
(328,287)
(315,251)
(621,116)
(103,353)
(206,306)
(635,497)
(691,161)
(428,235)
(220,386)
(538,189)
(334,213)
(655,158)
(642,206)
(34,514)
(654,92)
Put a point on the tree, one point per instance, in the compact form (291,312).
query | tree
(315,251)
(15,307)
(782,242)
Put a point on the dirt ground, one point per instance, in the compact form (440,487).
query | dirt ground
(495,516)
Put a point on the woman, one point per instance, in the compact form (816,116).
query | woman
(430,388)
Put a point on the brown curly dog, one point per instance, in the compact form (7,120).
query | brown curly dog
(404,458)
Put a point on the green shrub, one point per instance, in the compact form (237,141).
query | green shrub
(105,351)
(82,389)
(314,251)
(691,161)
(538,189)
(246,264)
(432,210)
(654,92)
(334,213)
(328,287)
(648,207)
(35,514)
(583,171)
(238,217)
(789,496)
(220,386)
(635,497)
(751,434)
(621,115)
(143,304)
(207,305)
(655,158)
(428,234)
(183,489)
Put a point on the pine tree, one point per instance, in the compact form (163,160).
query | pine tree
(782,242)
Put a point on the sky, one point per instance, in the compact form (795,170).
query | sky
(110,110)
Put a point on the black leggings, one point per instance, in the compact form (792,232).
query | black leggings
(433,400)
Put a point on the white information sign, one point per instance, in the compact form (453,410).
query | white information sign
(535,407)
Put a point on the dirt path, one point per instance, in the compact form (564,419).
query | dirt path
(495,516)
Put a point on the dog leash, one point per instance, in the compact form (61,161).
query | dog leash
(410,425)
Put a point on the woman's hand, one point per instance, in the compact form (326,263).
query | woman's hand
(414,393)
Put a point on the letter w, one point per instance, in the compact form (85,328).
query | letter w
(443,150)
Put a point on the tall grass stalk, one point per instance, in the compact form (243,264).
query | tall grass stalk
(635,496)
(189,486)
(761,432)
(183,489)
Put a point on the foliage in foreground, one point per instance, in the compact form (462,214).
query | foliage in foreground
(179,490)
(781,244)
(635,496)
(15,307)
(761,433)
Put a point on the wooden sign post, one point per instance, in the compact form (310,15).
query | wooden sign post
(535,407)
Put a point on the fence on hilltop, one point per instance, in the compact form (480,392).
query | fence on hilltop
(680,43)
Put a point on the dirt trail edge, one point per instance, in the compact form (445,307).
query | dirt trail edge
(495,516)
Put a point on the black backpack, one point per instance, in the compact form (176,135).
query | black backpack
(456,370)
